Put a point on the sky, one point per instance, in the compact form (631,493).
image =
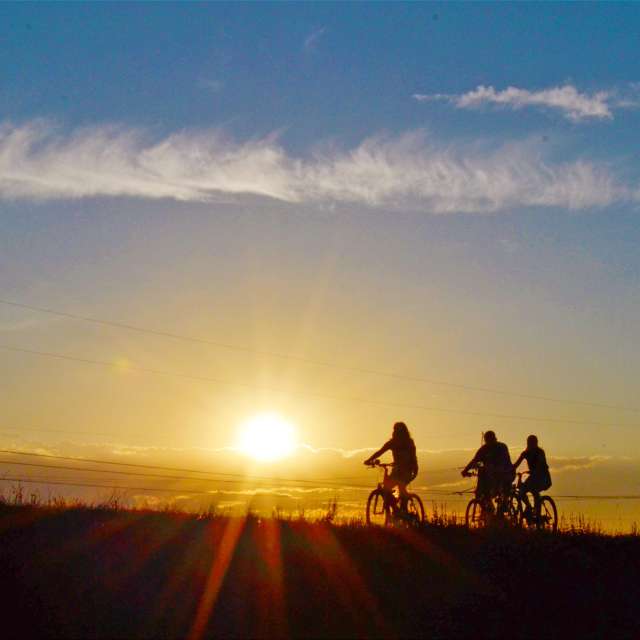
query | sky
(363,212)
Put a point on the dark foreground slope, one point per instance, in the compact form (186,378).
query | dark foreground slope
(99,573)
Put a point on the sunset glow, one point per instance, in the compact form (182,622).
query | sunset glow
(267,437)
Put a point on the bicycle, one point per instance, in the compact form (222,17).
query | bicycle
(543,516)
(501,509)
(384,508)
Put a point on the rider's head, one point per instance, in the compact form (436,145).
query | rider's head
(490,437)
(400,430)
(532,442)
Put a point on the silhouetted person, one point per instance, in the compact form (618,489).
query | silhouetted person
(495,472)
(539,477)
(405,461)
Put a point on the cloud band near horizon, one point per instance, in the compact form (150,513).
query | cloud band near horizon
(409,171)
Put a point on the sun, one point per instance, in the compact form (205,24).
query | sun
(267,437)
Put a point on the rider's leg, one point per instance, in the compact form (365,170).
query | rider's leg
(388,486)
(530,514)
(536,502)
(483,493)
(524,490)
(404,495)
(505,491)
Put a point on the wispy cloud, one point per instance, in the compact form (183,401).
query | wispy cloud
(573,104)
(210,84)
(560,464)
(404,172)
(311,41)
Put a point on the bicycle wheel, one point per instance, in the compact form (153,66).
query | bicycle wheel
(525,516)
(474,515)
(377,509)
(548,514)
(415,509)
(513,510)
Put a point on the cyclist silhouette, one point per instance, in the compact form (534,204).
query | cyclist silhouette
(405,461)
(495,472)
(539,477)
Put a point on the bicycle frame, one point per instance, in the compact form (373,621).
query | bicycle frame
(523,503)
(511,507)
(397,509)
(392,498)
(497,507)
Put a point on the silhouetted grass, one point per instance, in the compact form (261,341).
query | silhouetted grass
(73,570)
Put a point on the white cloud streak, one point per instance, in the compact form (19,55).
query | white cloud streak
(405,172)
(311,41)
(574,105)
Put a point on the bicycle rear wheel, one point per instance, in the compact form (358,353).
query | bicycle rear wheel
(525,516)
(547,514)
(474,515)
(378,511)
(513,510)
(415,509)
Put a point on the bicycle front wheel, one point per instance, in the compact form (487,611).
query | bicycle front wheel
(547,514)
(415,509)
(378,511)
(474,515)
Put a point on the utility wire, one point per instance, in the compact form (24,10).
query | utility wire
(10,431)
(238,476)
(309,361)
(246,480)
(275,483)
(262,478)
(21,430)
(112,487)
(102,486)
(235,477)
(197,492)
(326,396)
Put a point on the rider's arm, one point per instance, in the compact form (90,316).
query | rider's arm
(518,462)
(473,462)
(470,465)
(378,453)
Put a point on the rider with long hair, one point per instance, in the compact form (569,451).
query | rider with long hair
(405,461)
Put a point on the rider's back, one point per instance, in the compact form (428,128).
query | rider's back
(538,467)
(404,453)
(494,455)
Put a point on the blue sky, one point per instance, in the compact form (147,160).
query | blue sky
(444,190)
(314,70)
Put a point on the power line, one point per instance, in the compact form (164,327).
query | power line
(20,430)
(130,488)
(309,361)
(209,493)
(10,431)
(246,480)
(598,497)
(317,483)
(102,486)
(326,396)
(239,476)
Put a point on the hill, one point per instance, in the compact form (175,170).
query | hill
(110,573)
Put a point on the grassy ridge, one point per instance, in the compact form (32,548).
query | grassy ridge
(82,572)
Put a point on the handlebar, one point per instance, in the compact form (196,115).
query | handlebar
(377,463)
